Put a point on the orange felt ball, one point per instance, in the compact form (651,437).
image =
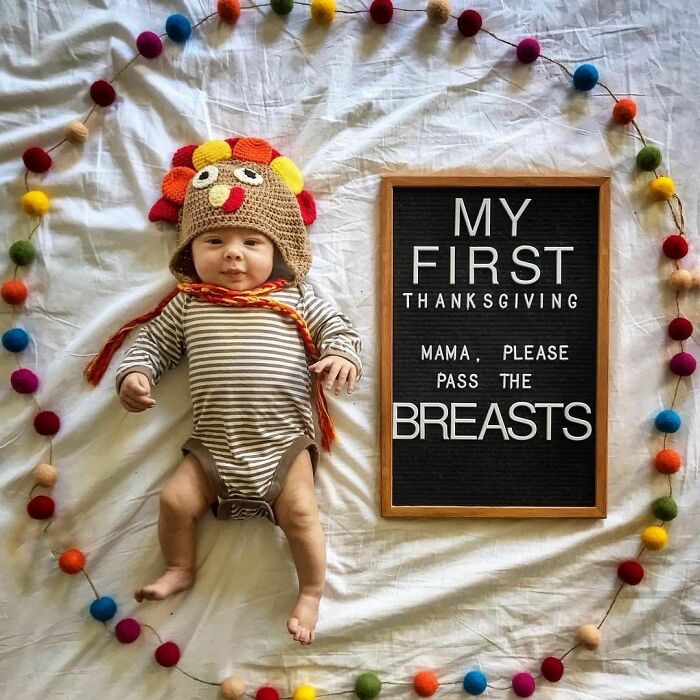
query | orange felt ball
(425,683)
(667,461)
(229,10)
(14,291)
(625,111)
(72,561)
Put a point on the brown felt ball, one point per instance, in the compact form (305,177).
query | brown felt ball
(438,11)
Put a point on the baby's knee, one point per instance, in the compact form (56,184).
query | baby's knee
(177,501)
(299,515)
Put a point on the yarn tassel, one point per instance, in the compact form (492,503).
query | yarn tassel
(325,420)
(96,368)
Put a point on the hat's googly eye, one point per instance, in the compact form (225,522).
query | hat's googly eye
(248,176)
(205,177)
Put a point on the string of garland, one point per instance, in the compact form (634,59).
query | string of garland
(47,423)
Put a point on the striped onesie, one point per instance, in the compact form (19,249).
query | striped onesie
(250,387)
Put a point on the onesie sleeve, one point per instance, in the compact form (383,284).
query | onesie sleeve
(159,344)
(330,329)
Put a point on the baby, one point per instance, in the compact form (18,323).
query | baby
(241,215)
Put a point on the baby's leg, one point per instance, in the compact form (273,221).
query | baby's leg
(183,499)
(297,514)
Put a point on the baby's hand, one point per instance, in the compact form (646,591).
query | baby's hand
(135,392)
(339,371)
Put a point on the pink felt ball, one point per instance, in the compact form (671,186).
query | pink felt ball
(24,381)
(469,23)
(47,423)
(168,654)
(683,364)
(381,11)
(552,669)
(523,685)
(631,572)
(102,93)
(36,160)
(127,630)
(41,507)
(528,50)
(675,247)
(149,44)
(680,328)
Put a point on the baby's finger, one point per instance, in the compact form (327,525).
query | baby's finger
(332,374)
(140,400)
(353,377)
(131,405)
(341,379)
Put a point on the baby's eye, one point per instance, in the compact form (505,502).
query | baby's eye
(252,241)
(250,177)
(214,240)
(205,177)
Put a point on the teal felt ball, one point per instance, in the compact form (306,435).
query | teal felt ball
(664,508)
(282,7)
(103,609)
(15,340)
(367,686)
(178,28)
(22,252)
(474,683)
(667,421)
(585,77)
(649,158)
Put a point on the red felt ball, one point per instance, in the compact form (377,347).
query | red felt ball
(229,10)
(24,381)
(680,328)
(267,693)
(381,11)
(528,50)
(469,23)
(36,159)
(168,654)
(630,572)
(675,247)
(41,507)
(552,669)
(47,423)
(72,561)
(149,45)
(102,93)
(127,630)
(425,683)
(14,292)
(624,111)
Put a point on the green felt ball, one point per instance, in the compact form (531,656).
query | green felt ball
(282,7)
(649,158)
(665,508)
(367,686)
(22,253)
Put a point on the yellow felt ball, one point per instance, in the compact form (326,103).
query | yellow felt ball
(210,152)
(45,474)
(35,203)
(76,132)
(655,537)
(589,636)
(289,172)
(323,11)
(305,692)
(662,188)
(233,688)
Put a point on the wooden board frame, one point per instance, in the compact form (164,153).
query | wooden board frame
(388,184)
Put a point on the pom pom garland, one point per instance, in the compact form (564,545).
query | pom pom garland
(24,381)
(523,685)
(267,692)
(323,11)
(22,252)
(469,23)
(662,188)
(438,12)
(624,111)
(381,11)
(680,328)
(585,77)
(631,572)
(474,683)
(282,7)
(127,630)
(15,339)
(178,28)
(13,292)
(667,461)
(228,10)
(589,635)
(36,159)
(654,537)
(683,364)
(664,508)
(232,688)
(528,50)
(35,203)
(552,669)
(76,132)
(45,474)
(367,686)
(304,692)
(425,683)
(667,421)
(675,247)
(649,158)
(149,44)
(168,654)
(102,93)
(71,561)
(41,507)
(103,609)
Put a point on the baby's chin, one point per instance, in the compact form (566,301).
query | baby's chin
(243,284)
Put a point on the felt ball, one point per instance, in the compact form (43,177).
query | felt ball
(267,693)
(149,44)
(654,537)
(233,688)
(102,93)
(585,77)
(664,508)
(103,609)
(76,132)
(35,203)
(282,7)
(589,635)
(438,11)
(683,364)
(22,252)
(381,11)
(681,279)
(474,683)
(662,188)
(367,686)
(47,423)
(168,654)
(178,28)
(14,292)
(36,159)
(675,246)
(667,421)
(649,158)
(624,111)
(323,11)
(680,328)
(631,572)
(528,50)
(552,669)
(45,474)
(523,685)
(72,561)
(24,381)
(425,683)
(469,23)
(15,340)
(667,461)
(305,692)
(127,630)
(41,507)
(228,10)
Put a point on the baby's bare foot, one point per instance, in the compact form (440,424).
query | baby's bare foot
(172,581)
(302,620)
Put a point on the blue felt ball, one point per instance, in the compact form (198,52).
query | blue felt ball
(668,421)
(474,683)
(15,340)
(585,77)
(103,609)
(178,28)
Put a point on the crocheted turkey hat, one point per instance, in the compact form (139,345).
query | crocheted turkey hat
(236,182)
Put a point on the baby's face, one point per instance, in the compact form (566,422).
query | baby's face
(235,258)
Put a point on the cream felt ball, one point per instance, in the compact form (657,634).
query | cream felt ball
(76,132)
(233,688)
(45,474)
(589,635)
(438,11)
(681,279)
